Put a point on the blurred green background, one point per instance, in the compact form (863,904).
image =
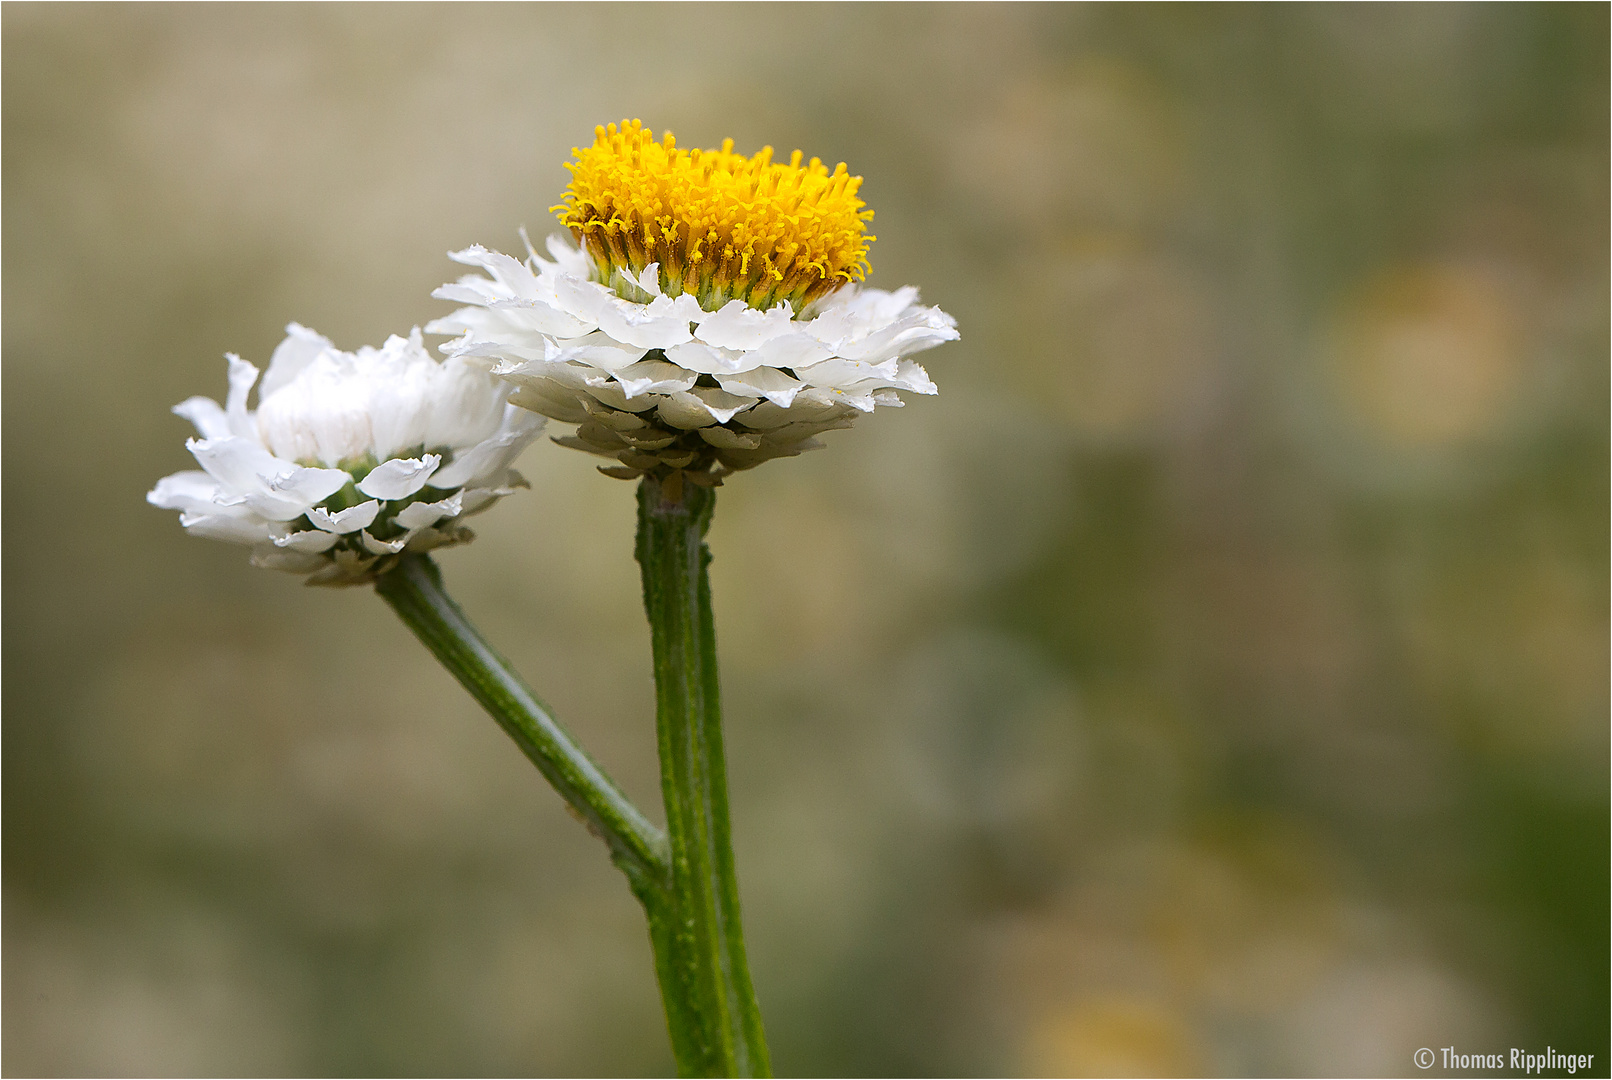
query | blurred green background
(1212,679)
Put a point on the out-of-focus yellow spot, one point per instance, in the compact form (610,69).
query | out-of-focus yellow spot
(1112,1036)
(721,225)
(1427,355)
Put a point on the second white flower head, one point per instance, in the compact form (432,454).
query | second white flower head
(350,458)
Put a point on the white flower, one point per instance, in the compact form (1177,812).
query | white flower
(659,381)
(349,459)
(714,318)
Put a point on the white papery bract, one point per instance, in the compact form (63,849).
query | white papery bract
(350,459)
(663,385)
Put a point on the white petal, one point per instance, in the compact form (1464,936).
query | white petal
(206,414)
(567,256)
(397,386)
(340,567)
(300,348)
(241,377)
(874,325)
(400,477)
(729,439)
(683,410)
(508,273)
(857,312)
(794,434)
(648,281)
(279,490)
(478,499)
(839,373)
(614,419)
(795,349)
(916,330)
(853,377)
(522,300)
(309,486)
(582,299)
(345,521)
(701,407)
(548,398)
(427,539)
(808,406)
(533,315)
(227,527)
(722,405)
(654,376)
(707,359)
(737,325)
(596,350)
(464,404)
(420,514)
(310,540)
(908,341)
(326,413)
(749,459)
(612,394)
(475,499)
(191,491)
(490,328)
(528,369)
(769,383)
(866,395)
(382,547)
(463,292)
(911,376)
(831,398)
(659,324)
(497,452)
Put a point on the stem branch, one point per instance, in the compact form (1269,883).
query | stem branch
(414,590)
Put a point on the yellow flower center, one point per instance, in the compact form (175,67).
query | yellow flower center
(721,225)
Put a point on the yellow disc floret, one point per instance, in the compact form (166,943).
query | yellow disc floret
(721,225)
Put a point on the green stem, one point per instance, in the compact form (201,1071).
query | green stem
(704,977)
(414,589)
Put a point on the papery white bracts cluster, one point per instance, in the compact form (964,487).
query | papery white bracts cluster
(667,388)
(349,459)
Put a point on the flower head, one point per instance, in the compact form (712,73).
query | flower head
(349,459)
(713,319)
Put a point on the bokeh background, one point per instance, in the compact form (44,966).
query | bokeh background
(1213,679)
